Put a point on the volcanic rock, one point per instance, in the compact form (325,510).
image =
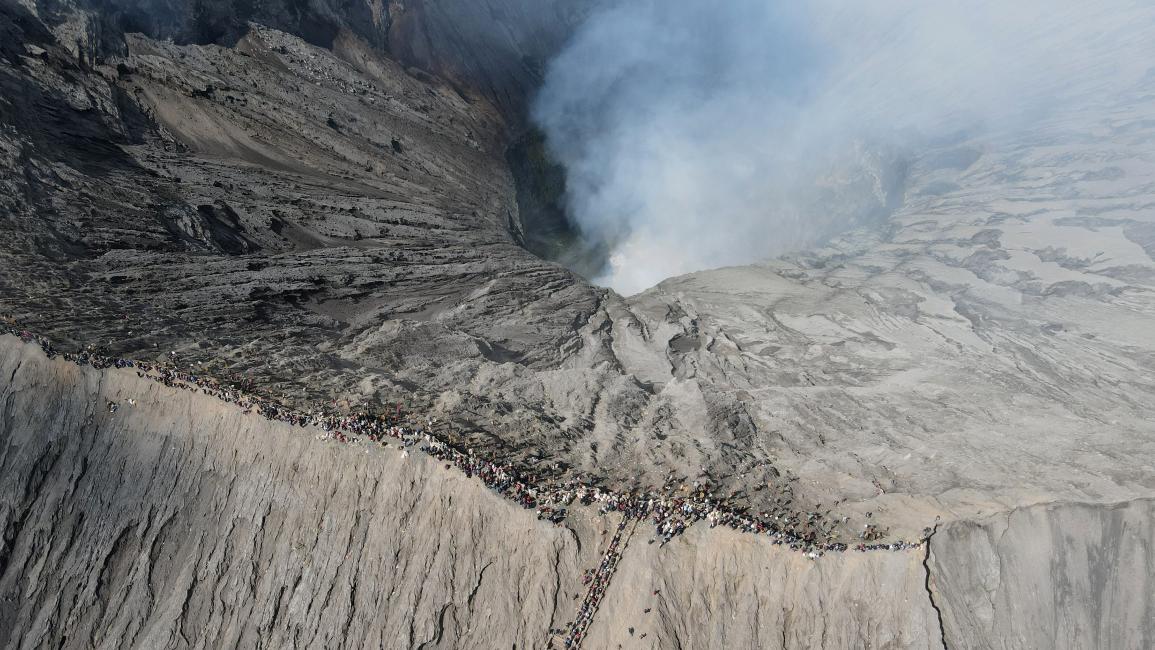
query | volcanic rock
(328,217)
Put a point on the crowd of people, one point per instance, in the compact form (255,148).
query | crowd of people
(669,512)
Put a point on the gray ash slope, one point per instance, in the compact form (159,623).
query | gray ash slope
(312,213)
(335,226)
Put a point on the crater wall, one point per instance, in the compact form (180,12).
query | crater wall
(1064,575)
(181,522)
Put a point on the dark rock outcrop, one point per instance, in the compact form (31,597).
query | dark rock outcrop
(497,49)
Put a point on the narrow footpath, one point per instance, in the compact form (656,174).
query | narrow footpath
(599,581)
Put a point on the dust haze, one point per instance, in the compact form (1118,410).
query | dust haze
(697,135)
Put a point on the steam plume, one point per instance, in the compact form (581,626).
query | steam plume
(698,134)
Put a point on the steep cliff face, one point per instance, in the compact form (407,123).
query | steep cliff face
(497,49)
(180,522)
(1064,575)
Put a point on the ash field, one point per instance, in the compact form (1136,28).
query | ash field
(312,339)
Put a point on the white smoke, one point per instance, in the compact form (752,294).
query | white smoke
(699,134)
